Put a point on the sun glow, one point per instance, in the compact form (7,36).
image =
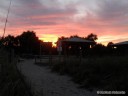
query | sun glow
(49,38)
(110,38)
(105,39)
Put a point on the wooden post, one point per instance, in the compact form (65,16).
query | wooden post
(50,58)
(59,49)
(80,56)
(59,56)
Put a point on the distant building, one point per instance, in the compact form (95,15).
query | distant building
(74,45)
(47,44)
(46,47)
(121,47)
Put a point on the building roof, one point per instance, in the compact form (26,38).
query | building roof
(121,43)
(77,39)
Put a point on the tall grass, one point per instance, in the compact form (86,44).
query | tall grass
(11,82)
(104,73)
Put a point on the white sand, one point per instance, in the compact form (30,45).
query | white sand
(45,83)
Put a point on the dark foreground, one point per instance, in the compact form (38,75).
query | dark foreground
(103,73)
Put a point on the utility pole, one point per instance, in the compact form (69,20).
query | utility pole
(7,18)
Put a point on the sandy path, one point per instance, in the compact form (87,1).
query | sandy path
(45,83)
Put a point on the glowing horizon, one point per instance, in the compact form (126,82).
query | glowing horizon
(49,38)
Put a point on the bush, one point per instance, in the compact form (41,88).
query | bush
(11,82)
(105,73)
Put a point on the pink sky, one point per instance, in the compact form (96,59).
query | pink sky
(50,19)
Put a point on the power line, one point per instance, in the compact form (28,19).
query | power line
(7,18)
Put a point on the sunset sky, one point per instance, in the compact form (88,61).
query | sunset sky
(50,19)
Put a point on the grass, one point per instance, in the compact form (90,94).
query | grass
(104,73)
(11,80)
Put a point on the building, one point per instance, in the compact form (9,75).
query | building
(74,46)
(121,47)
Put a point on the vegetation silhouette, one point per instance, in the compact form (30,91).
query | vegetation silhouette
(91,37)
(29,43)
(26,43)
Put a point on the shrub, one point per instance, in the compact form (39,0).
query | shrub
(106,73)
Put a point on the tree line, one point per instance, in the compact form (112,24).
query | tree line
(26,43)
(29,43)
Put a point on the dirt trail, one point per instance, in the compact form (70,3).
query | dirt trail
(45,83)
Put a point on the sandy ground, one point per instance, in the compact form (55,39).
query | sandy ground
(45,83)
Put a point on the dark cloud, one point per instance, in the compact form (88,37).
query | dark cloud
(113,9)
(36,12)
(109,15)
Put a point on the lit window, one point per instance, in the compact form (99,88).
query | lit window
(115,47)
(90,46)
(70,47)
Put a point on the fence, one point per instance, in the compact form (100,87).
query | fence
(53,59)
(47,59)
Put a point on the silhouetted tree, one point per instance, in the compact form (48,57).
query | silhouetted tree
(98,49)
(9,41)
(62,38)
(75,36)
(110,43)
(28,42)
(91,37)
(110,48)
